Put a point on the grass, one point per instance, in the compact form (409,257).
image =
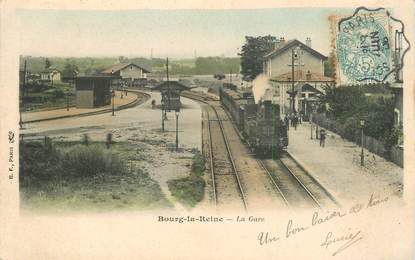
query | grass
(190,190)
(67,176)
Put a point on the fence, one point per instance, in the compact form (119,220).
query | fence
(371,144)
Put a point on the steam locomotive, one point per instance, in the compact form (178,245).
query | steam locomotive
(260,124)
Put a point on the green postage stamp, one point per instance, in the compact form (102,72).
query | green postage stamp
(365,46)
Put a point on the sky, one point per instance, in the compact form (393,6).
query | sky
(172,33)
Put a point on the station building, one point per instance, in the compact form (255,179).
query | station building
(127,71)
(309,79)
(94,91)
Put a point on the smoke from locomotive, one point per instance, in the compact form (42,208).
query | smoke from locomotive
(259,86)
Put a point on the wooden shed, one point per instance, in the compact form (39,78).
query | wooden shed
(94,91)
(170,94)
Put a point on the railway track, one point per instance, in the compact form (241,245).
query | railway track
(261,164)
(292,183)
(225,176)
(297,186)
(226,183)
(314,189)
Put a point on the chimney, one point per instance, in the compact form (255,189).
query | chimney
(277,44)
(308,41)
(308,75)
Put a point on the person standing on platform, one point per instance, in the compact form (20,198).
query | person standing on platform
(295,122)
(287,122)
(292,119)
(322,138)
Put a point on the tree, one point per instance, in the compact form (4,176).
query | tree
(349,104)
(122,59)
(70,70)
(330,66)
(48,63)
(216,65)
(252,55)
(343,101)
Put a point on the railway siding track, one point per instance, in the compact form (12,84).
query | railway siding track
(284,199)
(314,189)
(225,178)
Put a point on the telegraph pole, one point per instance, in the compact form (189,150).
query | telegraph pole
(168,88)
(162,116)
(22,94)
(362,155)
(113,97)
(177,129)
(293,93)
(292,80)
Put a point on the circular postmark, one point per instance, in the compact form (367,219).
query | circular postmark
(363,46)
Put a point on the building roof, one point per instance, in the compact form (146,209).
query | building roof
(287,45)
(50,70)
(235,95)
(100,76)
(301,76)
(120,66)
(173,85)
(308,88)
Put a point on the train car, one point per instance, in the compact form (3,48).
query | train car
(271,133)
(233,101)
(260,124)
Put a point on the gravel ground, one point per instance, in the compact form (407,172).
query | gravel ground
(337,166)
(141,126)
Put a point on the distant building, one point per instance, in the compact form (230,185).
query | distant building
(94,91)
(127,71)
(50,75)
(308,79)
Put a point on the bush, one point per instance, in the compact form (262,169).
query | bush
(89,161)
(38,163)
(58,93)
(198,165)
(190,190)
(43,162)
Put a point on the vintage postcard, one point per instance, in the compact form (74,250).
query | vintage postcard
(193,130)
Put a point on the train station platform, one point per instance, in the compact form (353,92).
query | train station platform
(31,117)
(337,166)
